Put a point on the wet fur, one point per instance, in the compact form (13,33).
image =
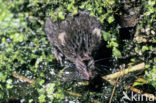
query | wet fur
(76,39)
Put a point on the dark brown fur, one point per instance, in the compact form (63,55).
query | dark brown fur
(76,39)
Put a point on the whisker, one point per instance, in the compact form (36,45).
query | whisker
(102,59)
(102,68)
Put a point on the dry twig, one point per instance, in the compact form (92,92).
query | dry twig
(151,96)
(138,67)
(22,78)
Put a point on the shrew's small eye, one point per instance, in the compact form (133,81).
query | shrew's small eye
(86,62)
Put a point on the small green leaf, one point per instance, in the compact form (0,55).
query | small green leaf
(61,16)
(3,40)
(110,19)
(136,49)
(41,82)
(89,7)
(17,37)
(106,36)
(69,7)
(144,48)
(42,98)
(30,100)
(113,44)
(100,10)
(116,53)
(139,81)
(133,59)
(147,66)
(75,11)
(82,6)
(9,86)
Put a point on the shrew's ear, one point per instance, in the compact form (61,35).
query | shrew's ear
(61,38)
(97,32)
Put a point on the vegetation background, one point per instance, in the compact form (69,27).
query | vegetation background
(28,69)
